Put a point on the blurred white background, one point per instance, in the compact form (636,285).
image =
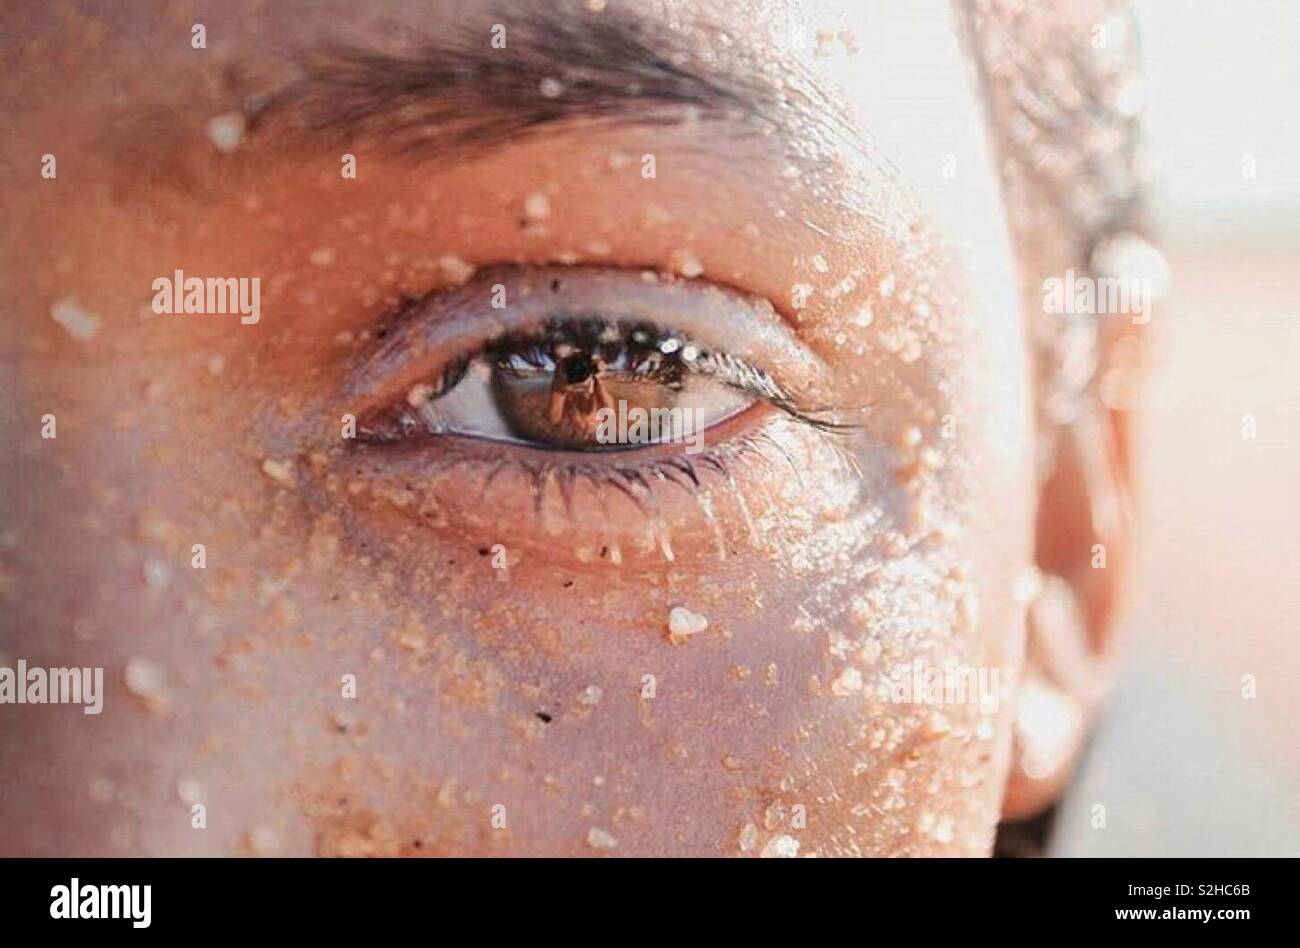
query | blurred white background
(1186,765)
(1223,83)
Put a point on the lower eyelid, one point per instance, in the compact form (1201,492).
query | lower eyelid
(571,507)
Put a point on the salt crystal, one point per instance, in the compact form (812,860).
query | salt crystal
(79,322)
(686,263)
(227,131)
(599,839)
(144,679)
(781,847)
(157,573)
(537,206)
(455,269)
(848,683)
(682,622)
(281,471)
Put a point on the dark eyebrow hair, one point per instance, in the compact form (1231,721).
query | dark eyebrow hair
(457,93)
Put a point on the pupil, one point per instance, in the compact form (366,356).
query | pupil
(577,368)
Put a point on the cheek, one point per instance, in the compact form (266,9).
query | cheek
(847,695)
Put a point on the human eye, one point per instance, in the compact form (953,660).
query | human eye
(612,405)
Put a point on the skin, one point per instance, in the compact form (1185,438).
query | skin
(320,565)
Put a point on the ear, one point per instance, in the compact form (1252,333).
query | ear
(1068,141)
(1083,551)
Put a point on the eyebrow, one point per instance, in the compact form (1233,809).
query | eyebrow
(459,94)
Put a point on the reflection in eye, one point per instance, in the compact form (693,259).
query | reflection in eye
(588,384)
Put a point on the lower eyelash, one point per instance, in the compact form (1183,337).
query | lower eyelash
(553,485)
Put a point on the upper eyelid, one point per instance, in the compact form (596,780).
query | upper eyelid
(744,376)
(746,328)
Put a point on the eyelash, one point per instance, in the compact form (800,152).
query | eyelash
(638,343)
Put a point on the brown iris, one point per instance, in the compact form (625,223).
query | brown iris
(560,407)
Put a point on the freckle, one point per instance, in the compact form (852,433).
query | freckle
(537,206)
(599,839)
(76,320)
(780,847)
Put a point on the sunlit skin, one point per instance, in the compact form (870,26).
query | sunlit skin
(828,565)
